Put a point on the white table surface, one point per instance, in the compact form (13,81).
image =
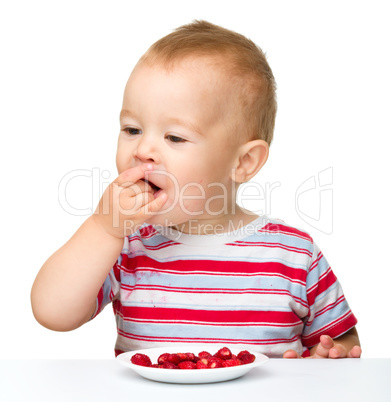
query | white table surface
(278,380)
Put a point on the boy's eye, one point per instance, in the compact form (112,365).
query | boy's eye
(175,139)
(132,130)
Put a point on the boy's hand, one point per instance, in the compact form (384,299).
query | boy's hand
(128,202)
(327,349)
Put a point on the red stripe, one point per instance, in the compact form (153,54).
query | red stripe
(325,281)
(209,316)
(211,324)
(260,274)
(117,268)
(306,353)
(147,231)
(283,229)
(160,246)
(212,267)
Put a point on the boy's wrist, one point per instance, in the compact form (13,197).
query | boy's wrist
(109,233)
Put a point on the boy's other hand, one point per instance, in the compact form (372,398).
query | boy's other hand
(128,202)
(327,349)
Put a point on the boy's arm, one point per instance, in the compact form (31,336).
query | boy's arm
(63,296)
(347,345)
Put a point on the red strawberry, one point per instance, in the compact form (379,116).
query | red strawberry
(223,354)
(189,361)
(231,362)
(215,362)
(243,352)
(141,360)
(191,357)
(202,364)
(187,365)
(186,357)
(246,357)
(183,356)
(169,365)
(174,358)
(204,354)
(163,358)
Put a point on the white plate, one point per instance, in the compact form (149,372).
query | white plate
(189,376)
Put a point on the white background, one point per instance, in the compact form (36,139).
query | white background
(63,70)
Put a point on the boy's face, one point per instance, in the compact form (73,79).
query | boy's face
(182,121)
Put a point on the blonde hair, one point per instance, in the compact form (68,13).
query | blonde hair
(243,60)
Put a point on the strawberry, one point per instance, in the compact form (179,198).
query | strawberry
(187,365)
(169,365)
(215,362)
(141,360)
(223,354)
(189,361)
(231,362)
(163,358)
(202,364)
(191,357)
(204,354)
(183,356)
(186,357)
(174,358)
(246,357)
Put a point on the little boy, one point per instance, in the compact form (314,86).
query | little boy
(168,245)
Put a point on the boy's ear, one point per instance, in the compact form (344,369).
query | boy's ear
(251,157)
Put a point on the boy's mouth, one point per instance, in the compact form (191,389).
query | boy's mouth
(154,187)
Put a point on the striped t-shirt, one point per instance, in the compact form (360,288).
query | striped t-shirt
(266,286)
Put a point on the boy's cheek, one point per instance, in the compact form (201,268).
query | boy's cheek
(123,159)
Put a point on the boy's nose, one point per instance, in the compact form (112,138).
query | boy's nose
(146,150)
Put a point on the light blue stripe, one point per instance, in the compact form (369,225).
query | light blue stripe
(271,283)
(205,331)
(316,273)
(327,317)
(106,291)
(284,239)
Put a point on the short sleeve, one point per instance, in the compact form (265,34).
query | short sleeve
(109,290)
(329,311)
